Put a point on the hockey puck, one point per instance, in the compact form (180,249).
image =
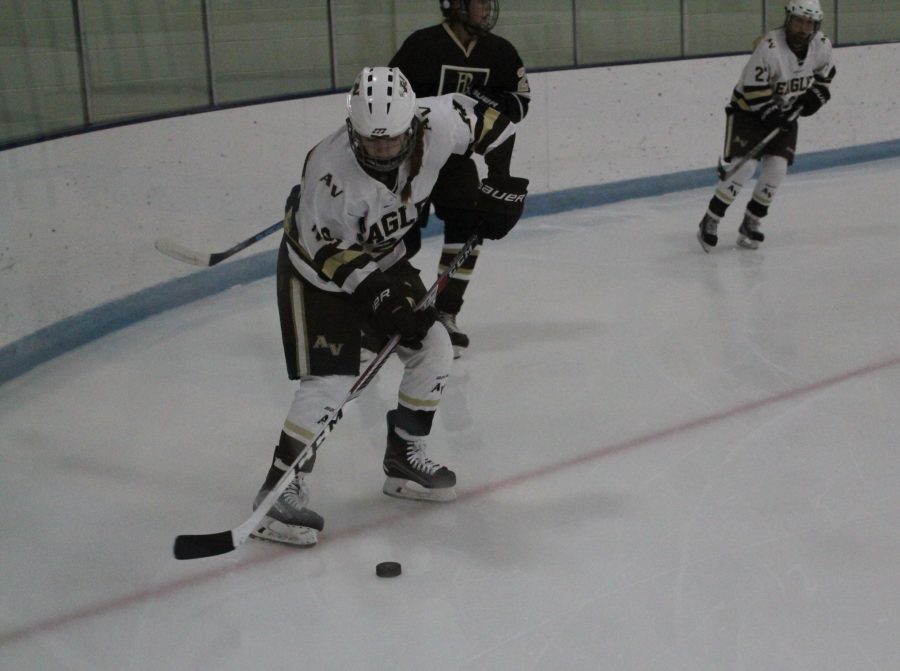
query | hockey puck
(388,569)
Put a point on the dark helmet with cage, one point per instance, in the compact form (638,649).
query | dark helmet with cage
(811,11)
(478,16)
(381,118)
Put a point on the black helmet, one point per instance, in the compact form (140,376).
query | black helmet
(457,11)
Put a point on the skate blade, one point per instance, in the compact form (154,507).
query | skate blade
(705,247)
(405,489)
(747,243)
(276,532)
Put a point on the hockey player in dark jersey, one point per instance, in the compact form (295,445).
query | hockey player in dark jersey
(461,55)
(790,70)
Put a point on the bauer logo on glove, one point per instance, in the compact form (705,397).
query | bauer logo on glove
(501,200)
(497,194)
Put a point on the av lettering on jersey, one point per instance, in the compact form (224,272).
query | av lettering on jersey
(321,342)
(328,179)
(455,79)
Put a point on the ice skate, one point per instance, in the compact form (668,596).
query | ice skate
(706,234)
(410,473)
(289,520)
(749,235)
(458,339)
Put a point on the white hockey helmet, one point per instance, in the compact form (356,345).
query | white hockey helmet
(381,118)
(809,9)
(804,9)
(477,21)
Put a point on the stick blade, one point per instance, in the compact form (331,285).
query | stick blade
(196,546)
(172,249)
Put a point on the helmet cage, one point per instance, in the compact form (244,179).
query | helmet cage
(382,164)
(380,106)
(457,11)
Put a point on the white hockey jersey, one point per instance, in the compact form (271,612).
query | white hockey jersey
(775,75)
(346,224)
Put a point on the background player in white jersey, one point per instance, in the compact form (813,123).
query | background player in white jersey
(342,262)
(790,68)
(461,55)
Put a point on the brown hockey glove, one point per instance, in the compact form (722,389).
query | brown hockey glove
(501,201)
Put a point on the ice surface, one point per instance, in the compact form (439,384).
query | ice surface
(667,460)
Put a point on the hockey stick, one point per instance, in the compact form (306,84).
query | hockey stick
(205,260)
(194,546)
(725,170)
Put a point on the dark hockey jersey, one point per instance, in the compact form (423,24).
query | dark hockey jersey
(490,69)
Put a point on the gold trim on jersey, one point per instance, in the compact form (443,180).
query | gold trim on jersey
(741,103)
(753,95)
(489,127)
(752,100)
(467,50)
(489,119)
(337,261)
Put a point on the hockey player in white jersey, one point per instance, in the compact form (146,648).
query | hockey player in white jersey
(341,264)
(790,69)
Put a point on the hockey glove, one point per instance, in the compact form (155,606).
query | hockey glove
(772,117)
(482,95)
(424,317)
(393,311)
(501,201)
(812,99)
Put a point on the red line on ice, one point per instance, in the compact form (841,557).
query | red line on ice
(175,586)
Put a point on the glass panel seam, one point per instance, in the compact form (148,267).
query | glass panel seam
(332,44)
(208,53)
(83,65)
